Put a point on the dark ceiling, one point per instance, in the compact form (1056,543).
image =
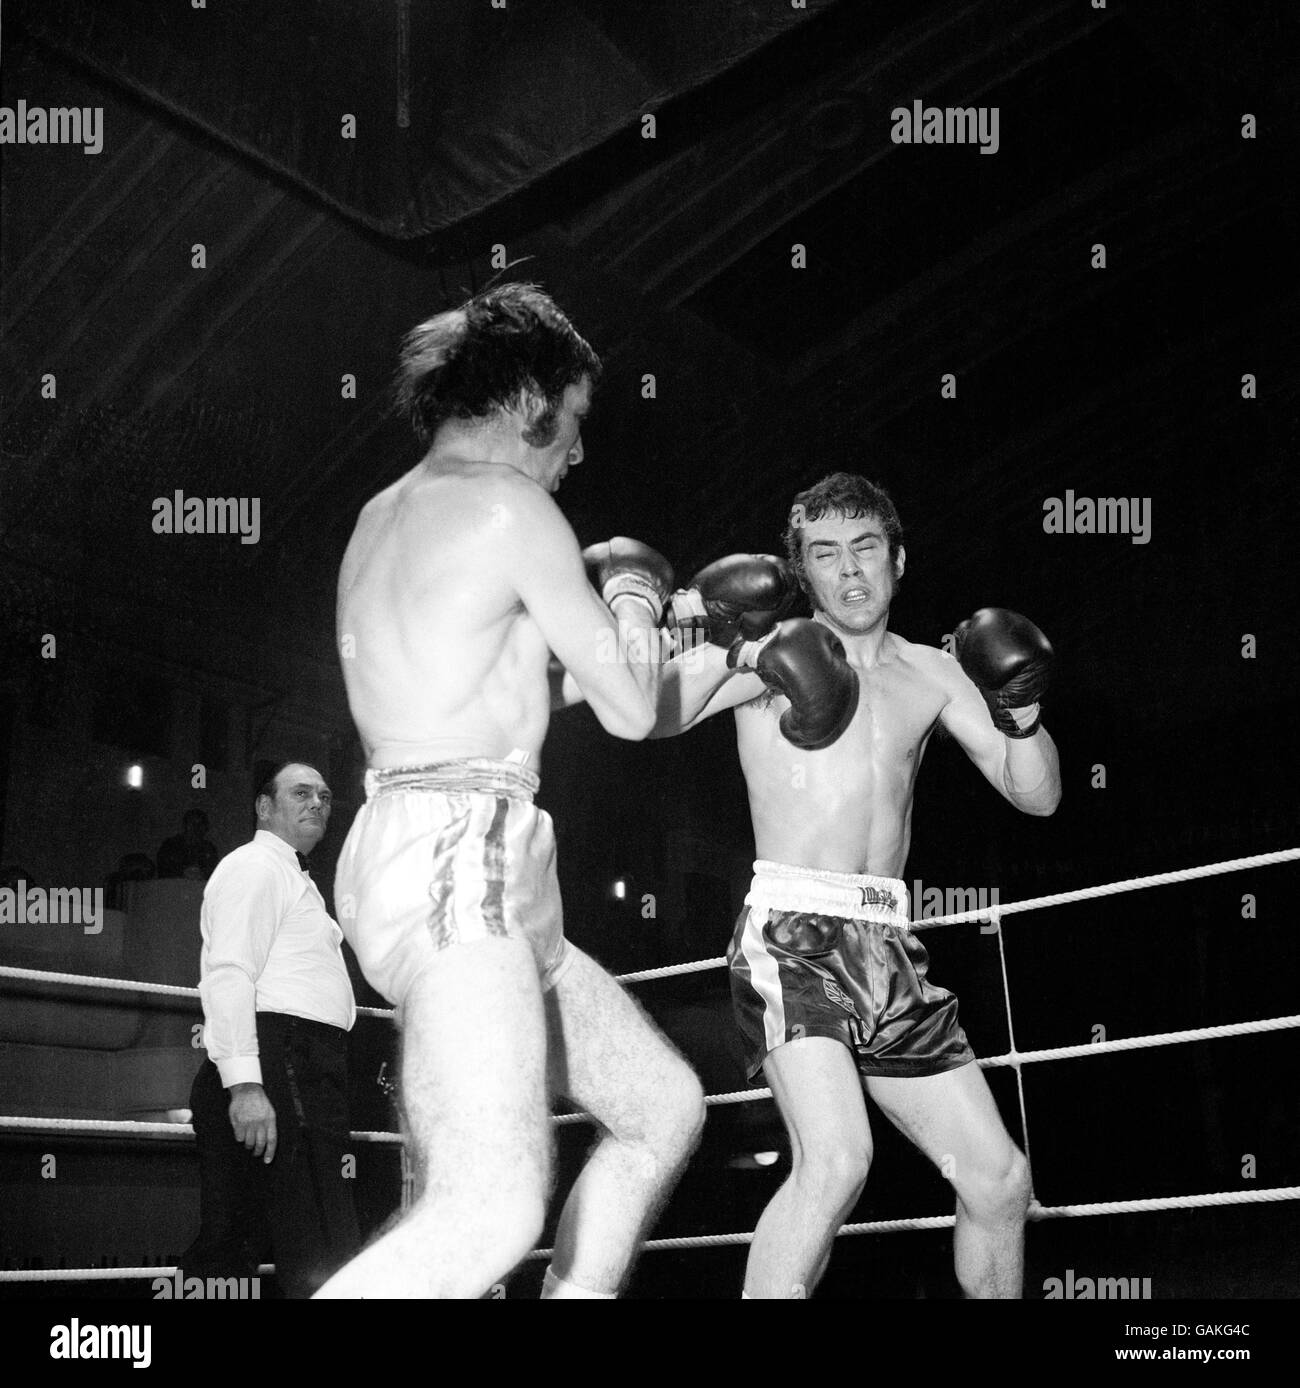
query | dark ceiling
(524,127)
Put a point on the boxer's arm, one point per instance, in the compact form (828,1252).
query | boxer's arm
(614,663)
(1024,771)
(564,688)
(696,684)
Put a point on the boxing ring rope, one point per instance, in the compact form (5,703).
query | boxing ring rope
(1034,903)
(875,1226)
(988,913)
(123,1127)
(130,985)
(1013,1057)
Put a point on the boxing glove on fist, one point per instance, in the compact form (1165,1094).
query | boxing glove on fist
(741,597)
(626,568)
(1010,661)
(804,661)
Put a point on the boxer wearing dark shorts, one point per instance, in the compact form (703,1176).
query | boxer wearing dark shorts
(831,954)
(829,984)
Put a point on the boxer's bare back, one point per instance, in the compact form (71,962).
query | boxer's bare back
(446,662)
(459,581)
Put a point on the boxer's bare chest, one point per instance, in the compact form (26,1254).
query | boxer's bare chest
(848,806)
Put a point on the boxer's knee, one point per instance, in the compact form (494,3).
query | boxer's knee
(678,1113)
(494,1227)
(665,1125)
(689,1109)
(832,1173)
(999,1191)
(514,1227)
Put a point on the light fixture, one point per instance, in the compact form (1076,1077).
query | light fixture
(752,1161)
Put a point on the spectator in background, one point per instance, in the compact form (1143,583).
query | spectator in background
(190,853)
(131,867)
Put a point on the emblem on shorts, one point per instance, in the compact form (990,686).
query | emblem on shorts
(876,896)
(839,997)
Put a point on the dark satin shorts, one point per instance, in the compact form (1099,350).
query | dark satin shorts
(800,973)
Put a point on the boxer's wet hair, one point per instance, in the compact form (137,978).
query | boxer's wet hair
(472,361)
(841,494)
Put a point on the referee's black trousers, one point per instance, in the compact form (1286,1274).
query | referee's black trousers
(299,1209)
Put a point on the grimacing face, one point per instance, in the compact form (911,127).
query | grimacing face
(850,577)
(300,809)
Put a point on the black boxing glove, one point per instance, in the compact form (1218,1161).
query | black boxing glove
(739,598)
(805,661)
(1010,662)
(626,568)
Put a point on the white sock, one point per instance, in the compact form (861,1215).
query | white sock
(556,1288)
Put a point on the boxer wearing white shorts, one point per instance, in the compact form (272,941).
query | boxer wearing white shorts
(449,854)
(465,616)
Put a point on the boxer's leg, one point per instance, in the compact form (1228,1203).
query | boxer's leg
(473,1087)
(819,1094)
(952,1118)
(608,1058)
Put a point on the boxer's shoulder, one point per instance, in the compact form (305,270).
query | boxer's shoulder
(928,662)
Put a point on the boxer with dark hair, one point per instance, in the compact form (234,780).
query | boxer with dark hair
(460,581)
(474,361)
(828,983)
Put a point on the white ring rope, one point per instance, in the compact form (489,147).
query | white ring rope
(119,1127)
(1036,1211)
(130,985)
(1033,903)
(994,913)
(129,1128)
(101,1274)
(875,1226)
(1013,1057)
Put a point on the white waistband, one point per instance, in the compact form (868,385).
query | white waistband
(463,776)
(851,895)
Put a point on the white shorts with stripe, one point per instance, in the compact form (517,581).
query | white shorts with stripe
(444,855)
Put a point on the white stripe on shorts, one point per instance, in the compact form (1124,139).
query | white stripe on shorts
(764,976)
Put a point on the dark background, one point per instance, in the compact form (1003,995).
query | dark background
(523,129)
